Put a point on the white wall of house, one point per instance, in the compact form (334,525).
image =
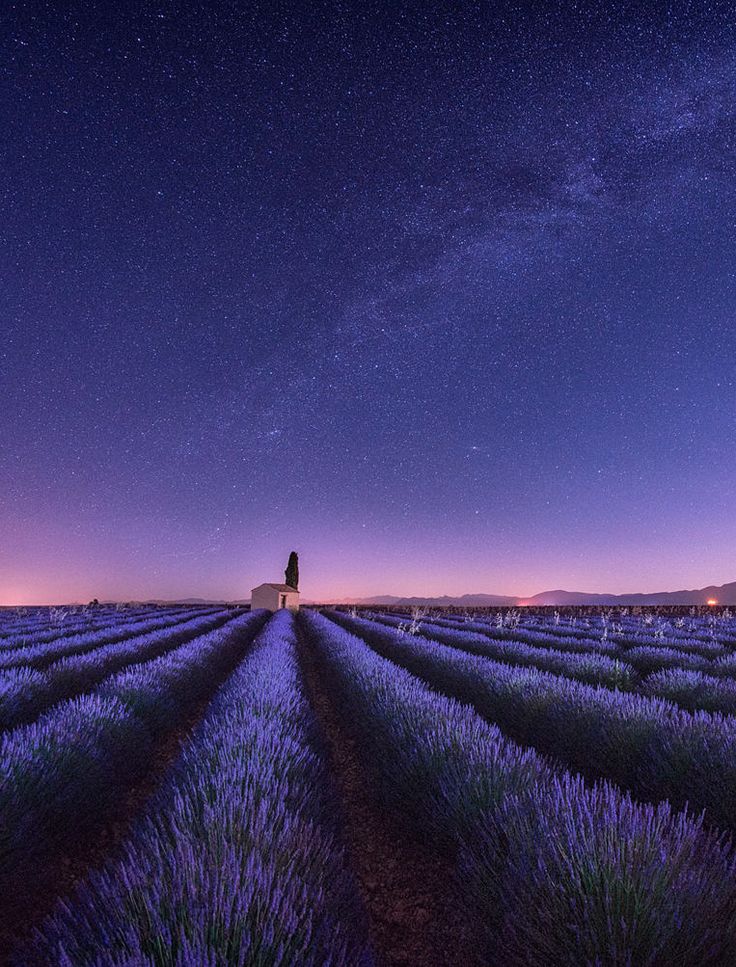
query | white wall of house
(273,598)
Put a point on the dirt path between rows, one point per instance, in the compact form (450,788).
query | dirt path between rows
(69,870)
(413,918)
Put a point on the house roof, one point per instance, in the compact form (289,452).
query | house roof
(277,587)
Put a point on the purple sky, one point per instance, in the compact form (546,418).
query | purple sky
(442,297)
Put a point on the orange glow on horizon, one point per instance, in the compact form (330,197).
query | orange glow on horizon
(712,601)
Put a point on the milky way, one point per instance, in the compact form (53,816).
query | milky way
(441,295)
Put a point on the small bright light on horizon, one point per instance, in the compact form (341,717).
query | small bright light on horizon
(712,601)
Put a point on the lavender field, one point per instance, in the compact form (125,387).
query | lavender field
(211,786)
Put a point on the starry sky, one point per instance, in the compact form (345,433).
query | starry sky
(442,295)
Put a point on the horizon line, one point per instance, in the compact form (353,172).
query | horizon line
(348,599)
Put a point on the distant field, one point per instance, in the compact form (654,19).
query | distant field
(205,785)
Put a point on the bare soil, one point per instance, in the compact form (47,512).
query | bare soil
(414,916)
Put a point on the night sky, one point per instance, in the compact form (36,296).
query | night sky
(441,295)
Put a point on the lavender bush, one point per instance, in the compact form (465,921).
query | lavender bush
(693,690)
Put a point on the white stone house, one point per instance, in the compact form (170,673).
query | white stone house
(273,597)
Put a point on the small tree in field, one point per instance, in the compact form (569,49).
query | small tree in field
(292,571)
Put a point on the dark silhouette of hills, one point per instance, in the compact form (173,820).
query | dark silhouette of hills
(724,594)
(464,601)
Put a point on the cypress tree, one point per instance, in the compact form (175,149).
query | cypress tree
(292,571)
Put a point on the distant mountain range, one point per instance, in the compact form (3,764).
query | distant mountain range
(723,594)
(446,601)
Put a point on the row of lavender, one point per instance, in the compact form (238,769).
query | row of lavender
(30,620)
(689,661)
(644,744)
(554,871)
(710,635)
(692,681)
(696,673)
(41,653)
(25,691)
(55,623)
(611,639)
(66,774)
(237,860)
(615,643)
(701,625)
